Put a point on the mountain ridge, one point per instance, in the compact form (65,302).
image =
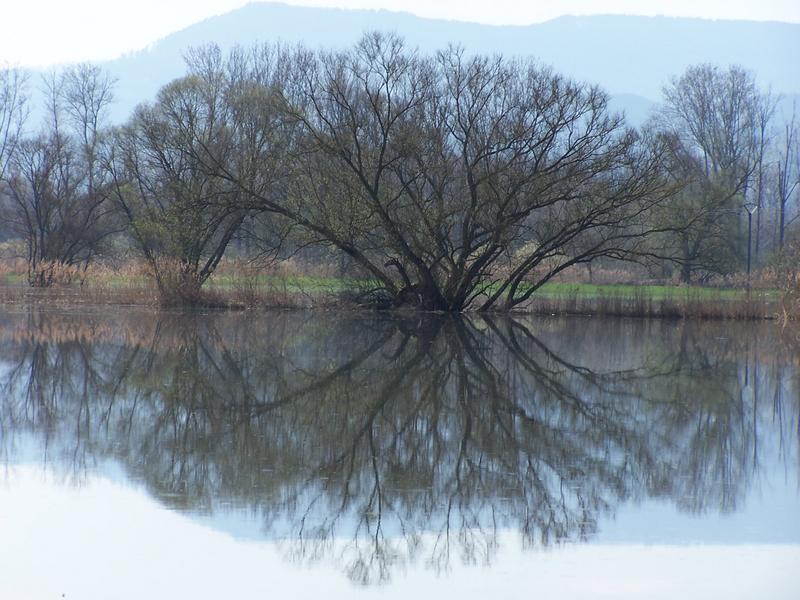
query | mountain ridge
(631,57)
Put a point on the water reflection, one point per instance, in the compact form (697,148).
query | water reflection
(411,439)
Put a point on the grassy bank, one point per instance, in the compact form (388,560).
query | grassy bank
(238,291)
(660,302)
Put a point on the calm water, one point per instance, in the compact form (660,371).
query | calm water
(343,456)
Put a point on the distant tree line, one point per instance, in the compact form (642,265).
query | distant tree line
(452,181)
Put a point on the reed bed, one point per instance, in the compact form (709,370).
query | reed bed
(289,285)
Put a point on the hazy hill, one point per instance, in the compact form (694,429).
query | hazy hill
(631,57)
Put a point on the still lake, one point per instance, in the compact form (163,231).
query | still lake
(339,455)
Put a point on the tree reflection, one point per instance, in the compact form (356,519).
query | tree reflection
(384,441)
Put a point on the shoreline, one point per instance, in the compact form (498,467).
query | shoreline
(641,303)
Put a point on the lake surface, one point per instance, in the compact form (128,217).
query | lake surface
(329,455)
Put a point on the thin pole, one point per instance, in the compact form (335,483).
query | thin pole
(749,238)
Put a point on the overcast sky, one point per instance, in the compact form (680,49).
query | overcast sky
(41,32)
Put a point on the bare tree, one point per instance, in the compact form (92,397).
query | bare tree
(788,173)
(455,181)
(716,122)
(181,216)
(58,193)
(13,112)
(764,113)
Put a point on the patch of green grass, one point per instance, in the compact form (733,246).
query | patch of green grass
(333,285)
(310,284)
(12,279)
(291,283)
(654,292)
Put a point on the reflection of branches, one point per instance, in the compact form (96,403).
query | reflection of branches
(374,440)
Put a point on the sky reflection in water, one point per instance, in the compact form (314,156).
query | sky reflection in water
(333,455)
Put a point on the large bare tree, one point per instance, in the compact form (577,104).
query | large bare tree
(454,181)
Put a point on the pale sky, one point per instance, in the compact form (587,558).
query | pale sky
(42,32)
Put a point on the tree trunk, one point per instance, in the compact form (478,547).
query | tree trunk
(686,272)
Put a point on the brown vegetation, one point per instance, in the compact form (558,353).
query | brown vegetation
(292,284)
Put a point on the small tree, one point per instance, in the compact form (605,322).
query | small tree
(181,216)
(787,175)
(13,113)
(58,193)
(714,122)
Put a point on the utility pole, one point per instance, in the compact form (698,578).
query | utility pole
(751,208)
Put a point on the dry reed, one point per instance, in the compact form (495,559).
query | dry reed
(280,285)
